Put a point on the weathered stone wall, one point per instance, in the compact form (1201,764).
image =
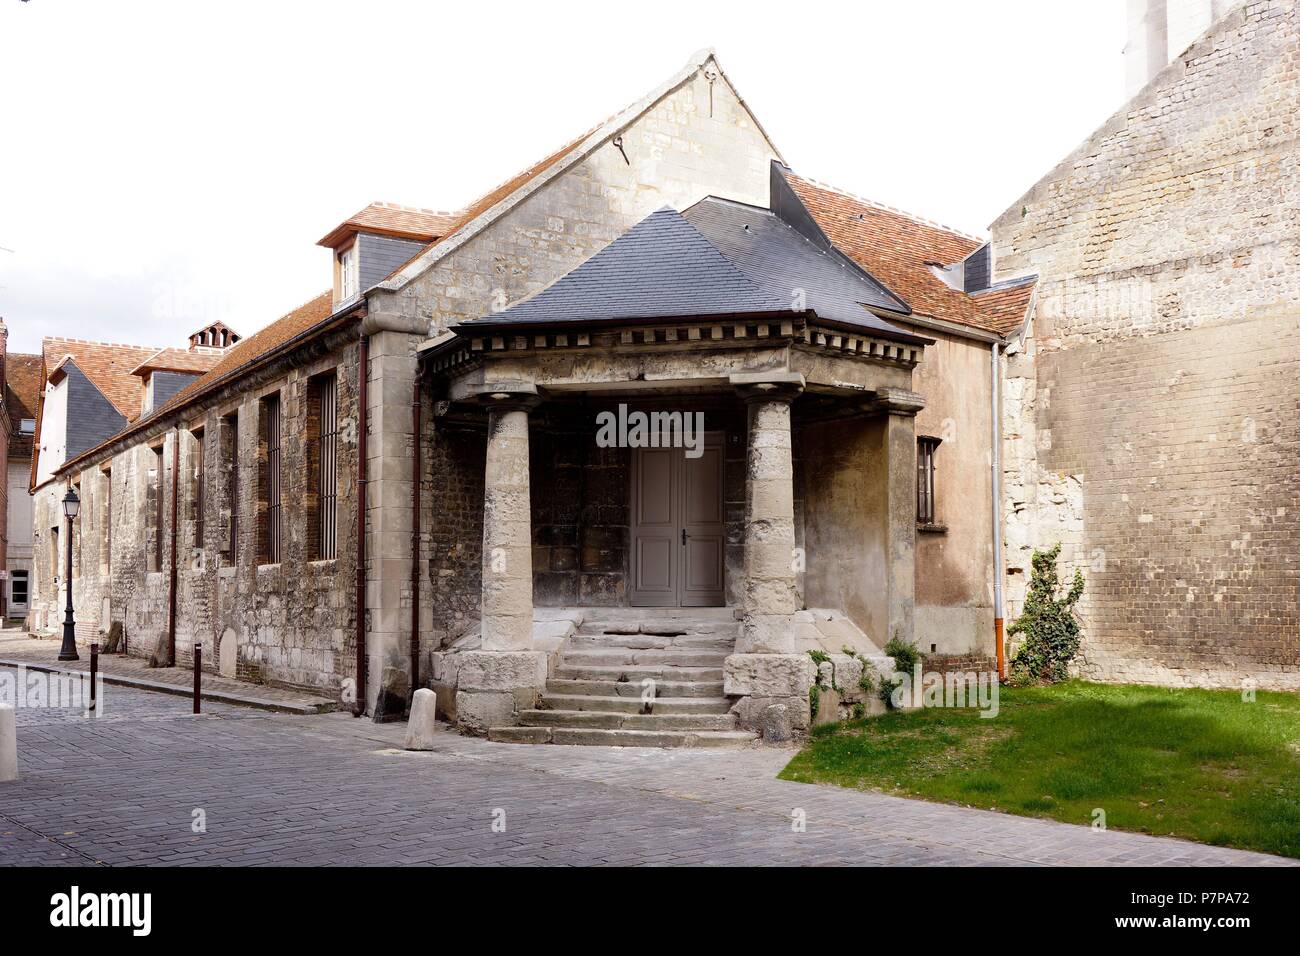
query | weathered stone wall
(290,623)
(954,561)
(1151,418)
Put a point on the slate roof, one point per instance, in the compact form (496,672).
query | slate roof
(779,259)
(662,267)
(896,248)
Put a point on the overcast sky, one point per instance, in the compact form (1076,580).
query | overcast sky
(163,165)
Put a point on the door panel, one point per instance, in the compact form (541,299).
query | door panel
(678,533)
(654,528)
(703,548)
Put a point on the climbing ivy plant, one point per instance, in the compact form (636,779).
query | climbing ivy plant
(1048,625)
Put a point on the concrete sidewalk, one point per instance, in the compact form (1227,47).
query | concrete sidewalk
(18,649)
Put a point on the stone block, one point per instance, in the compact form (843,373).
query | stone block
(8,743)
(767,675)
(422,727)
(502,670)
(477,711)
(752,713)
(777,724)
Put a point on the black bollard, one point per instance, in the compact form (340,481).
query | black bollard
(94,670)
(198,673)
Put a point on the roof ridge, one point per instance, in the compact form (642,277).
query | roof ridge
(885,207)
(401,207)
(112,345)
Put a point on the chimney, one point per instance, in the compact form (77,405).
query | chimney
(1160,30)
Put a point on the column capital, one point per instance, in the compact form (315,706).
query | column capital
(768,386)
(508,396)
(895,401)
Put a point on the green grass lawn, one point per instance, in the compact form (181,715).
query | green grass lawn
(1203,765)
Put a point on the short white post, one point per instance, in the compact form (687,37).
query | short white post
(8,743)
(422,727)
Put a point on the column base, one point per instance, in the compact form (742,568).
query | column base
(492,687)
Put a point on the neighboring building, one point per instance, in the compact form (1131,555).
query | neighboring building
(1151,413)
(22,376)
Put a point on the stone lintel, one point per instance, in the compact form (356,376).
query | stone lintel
(895,401)
(768,386)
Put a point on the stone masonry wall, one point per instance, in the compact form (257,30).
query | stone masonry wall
(1151,418)
(290,623)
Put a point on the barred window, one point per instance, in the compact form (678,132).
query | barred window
(325,477)
(269,505)
(197,498)
(925,449)
(159,500)
(230,465)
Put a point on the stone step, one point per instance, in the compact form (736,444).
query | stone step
(576,736)
(603,720)
(633,705)
(612,688)
(613,656)
(689,642)
(634,672)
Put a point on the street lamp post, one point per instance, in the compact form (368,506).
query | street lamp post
(68,652)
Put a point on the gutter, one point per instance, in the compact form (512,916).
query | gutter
(363,374)
(416,473)
(171,589)
(996,484)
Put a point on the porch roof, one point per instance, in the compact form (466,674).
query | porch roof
(720,259)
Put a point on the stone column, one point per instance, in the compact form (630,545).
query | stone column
(506,674)
(765,670)
(899,408)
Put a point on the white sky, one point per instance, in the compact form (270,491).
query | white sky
(163,165)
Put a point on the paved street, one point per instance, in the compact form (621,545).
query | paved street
(329,789)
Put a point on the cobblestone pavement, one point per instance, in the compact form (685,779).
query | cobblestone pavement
(330,789)
(17,647)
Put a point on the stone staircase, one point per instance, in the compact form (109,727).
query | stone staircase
(638,678)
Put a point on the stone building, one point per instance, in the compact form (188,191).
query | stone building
(642,426)
(1151,401)
(819,335)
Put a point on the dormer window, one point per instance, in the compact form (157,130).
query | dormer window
(348,272)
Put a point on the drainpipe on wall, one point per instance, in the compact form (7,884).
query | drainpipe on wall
(171,597)
(996,483)
(415,527)
(363,361)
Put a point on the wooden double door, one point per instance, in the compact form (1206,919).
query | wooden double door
(678,527)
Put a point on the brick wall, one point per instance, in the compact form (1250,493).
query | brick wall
(1151,416)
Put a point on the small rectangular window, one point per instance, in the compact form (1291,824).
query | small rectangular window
(348,272)
(925,449)
(27,426)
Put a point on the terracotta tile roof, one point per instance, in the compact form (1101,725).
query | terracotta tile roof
(390,219)
(895,248)
(180,360)
(106,364)
(1006,303)
(233,360)
(22,391)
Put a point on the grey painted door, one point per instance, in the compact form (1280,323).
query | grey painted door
(678,533)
